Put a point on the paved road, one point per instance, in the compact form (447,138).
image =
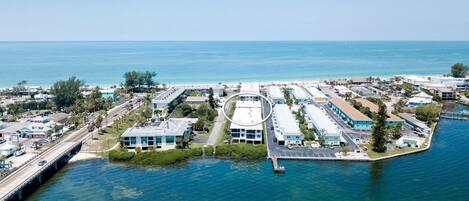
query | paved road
(216,132)
(30,169)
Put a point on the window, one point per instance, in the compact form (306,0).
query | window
(234,130)
(158,139)
(144,140)
(250,136)
(235,134)
(133,140)
(169,139)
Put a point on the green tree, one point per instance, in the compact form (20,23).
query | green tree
(200,124)
(211,100)
(428,113)
(379,130)
(131,79)
(148,79)
(396,131)
(67,92)
(459,70)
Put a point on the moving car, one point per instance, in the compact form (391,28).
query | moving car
(41,162)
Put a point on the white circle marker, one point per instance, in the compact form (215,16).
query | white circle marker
(247,93)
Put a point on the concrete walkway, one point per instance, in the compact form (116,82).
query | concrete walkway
(216,132)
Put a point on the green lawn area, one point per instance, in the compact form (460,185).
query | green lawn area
(226,125)
(111,134)
(393,150)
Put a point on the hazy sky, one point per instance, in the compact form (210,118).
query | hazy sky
(234,20)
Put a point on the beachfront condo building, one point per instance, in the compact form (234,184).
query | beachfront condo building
(299,95)
(167,135)
(350,115)
(275,94)
(252,89)
(286,127)
(318,119)
(249,116)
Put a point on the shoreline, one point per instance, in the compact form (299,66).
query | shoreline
(261,81)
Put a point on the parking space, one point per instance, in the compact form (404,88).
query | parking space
(295,152)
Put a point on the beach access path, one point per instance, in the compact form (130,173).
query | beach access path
(216,132)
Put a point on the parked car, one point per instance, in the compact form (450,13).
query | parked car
(41,162)
(6,154)
(2,141)
(19,153)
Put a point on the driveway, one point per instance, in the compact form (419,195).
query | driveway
(216,132)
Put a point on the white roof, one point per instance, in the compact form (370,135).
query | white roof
(422,95)
(171,127)
(249,88)
(247,116)
(419,100)
(322,121)
(275,92)
(298,92)
(168,96)
(248,104)
(106,91)
(315,92)
(287,124)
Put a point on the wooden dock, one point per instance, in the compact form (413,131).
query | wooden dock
(455,115)
(277,168)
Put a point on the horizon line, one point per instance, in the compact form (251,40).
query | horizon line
(293,40)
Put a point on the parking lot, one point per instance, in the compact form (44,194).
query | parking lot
(296,152)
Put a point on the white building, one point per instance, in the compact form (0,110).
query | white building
(342,90)
(165,136)
(317,95)
(246,133)
(318,119)
(248,104)
(275,95)
(253,88)
(163,101)
(420,99)
(415,80)
(286,127)
(37,130)
(300,96)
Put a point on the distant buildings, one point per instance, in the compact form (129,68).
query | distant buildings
(317,95)
(108,93)
(252,88)
(318,119)
(286,127)
(195,101)
(165,101)
(275,94)
(420,99)
(299,95)
(343,90)
(415,123)
(167,135)
(392,120)
(350,115)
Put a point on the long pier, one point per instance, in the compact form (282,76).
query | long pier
(24,180)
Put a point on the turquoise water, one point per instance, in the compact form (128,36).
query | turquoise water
(103,63)
(439,174)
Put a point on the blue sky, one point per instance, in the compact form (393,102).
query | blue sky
(62,20)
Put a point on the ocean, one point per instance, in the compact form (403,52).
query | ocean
(104,63)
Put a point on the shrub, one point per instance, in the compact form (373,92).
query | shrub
(120,155)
